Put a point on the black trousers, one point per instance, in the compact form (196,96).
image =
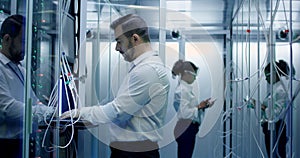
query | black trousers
(137,149)
(280,148)
(11,148)
(185,133)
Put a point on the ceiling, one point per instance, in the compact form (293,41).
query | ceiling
(198,16)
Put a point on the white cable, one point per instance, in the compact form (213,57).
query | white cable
(65,70)
(263,24)
(258,145)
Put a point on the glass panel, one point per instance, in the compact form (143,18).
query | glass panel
(12,80)
(45,70)
(106,67)
(52,74)
(259,41)
(32,85)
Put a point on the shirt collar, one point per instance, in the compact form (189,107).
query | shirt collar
(4,59)
(143,56)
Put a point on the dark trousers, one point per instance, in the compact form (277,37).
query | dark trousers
(137,149)
(185,133)
(280,148)
(11,148)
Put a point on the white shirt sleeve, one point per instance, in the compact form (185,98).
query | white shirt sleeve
(99,114)
(133,94)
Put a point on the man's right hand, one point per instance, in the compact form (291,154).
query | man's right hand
(75,113)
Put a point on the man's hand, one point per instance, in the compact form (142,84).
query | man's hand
(70,114)
(41,112)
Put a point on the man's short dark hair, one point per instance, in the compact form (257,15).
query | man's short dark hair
(12,25)
(132,24)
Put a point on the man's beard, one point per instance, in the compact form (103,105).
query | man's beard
(128,55)
(16,56)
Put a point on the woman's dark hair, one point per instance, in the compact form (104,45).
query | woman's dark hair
(12,25)
(282,68)
(180,66)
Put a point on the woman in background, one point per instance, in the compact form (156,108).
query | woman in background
(189,110)
(280,100)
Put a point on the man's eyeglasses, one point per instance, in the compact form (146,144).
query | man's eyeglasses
(268,74)
(191,72)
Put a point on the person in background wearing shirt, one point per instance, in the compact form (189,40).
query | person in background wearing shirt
(138,110)
(280,97)
(12,82)
(189,110)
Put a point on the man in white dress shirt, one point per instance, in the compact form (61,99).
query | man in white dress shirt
(12,82)
(138,110)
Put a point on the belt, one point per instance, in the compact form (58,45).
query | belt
(134,146)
